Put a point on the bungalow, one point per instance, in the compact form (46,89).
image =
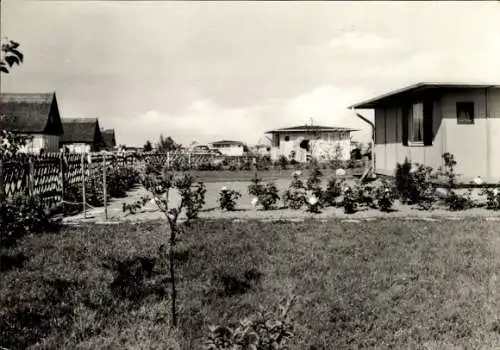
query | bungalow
(421,122)
(320,142)
(35,115)
(108,136)
(81,135)
(261,150)
(230,148)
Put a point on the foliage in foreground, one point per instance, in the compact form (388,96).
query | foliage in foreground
(21,215)
(267,330)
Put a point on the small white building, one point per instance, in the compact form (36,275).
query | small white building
(321,142)
(230,148)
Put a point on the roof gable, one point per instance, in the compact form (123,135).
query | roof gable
(30,113)
(81,130)
(108,136)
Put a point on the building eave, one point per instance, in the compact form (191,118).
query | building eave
(415,88)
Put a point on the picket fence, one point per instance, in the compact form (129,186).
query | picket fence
(47,176)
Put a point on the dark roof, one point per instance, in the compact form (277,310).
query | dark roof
(81,130)
(30,113)
(225,142)
(108,136)
(408,91)
(310,128)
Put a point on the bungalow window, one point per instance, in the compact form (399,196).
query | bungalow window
(418,124)
(465,112)
(287,138)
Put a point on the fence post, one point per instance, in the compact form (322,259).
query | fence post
(84,197)
(61,168)
(104,190)
(168,160)
(189,160)
(2,185)
(30,178)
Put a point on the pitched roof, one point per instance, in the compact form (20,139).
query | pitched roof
(415,88)
(309,128)
(81,130)
(108,136)
(30,113)
(227,142)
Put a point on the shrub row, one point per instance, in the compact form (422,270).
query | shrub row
(413,184)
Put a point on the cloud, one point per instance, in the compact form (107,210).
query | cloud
(205,120)
(361,41)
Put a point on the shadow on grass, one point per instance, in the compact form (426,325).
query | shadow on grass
(9,262)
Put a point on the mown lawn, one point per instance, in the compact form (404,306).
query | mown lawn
(376,284)
(265,175)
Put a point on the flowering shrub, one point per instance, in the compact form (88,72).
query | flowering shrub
(264,194)
(313,204)
(454,200)
(332,192)
(313,182)
(266,330)
(414,184)
(492,198)
(227,199)
(457,201)
(385,196)
(350,201)
(295,196)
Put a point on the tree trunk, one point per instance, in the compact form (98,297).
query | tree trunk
(172,277)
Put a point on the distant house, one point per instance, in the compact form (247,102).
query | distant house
(35,115)
(81,135)
(422,121)
(108,136)
(321,142)
(261,150)
(230,148)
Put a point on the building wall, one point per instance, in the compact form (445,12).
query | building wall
(476,147)
(230,150)
(37,142)
(323,146)
(78,148)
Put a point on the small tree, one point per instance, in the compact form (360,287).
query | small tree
(167,144)
(148,147)
(159,183)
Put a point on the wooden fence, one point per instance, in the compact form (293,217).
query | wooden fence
(48,176)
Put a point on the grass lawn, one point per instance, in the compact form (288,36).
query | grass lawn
(377,284)
(265,175)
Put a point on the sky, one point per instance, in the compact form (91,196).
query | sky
(205,71)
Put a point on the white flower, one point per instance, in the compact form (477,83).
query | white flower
(312,200)
(224,188)
(478,180)
(255,201)
(340,172)
(495,191)
(297,173)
